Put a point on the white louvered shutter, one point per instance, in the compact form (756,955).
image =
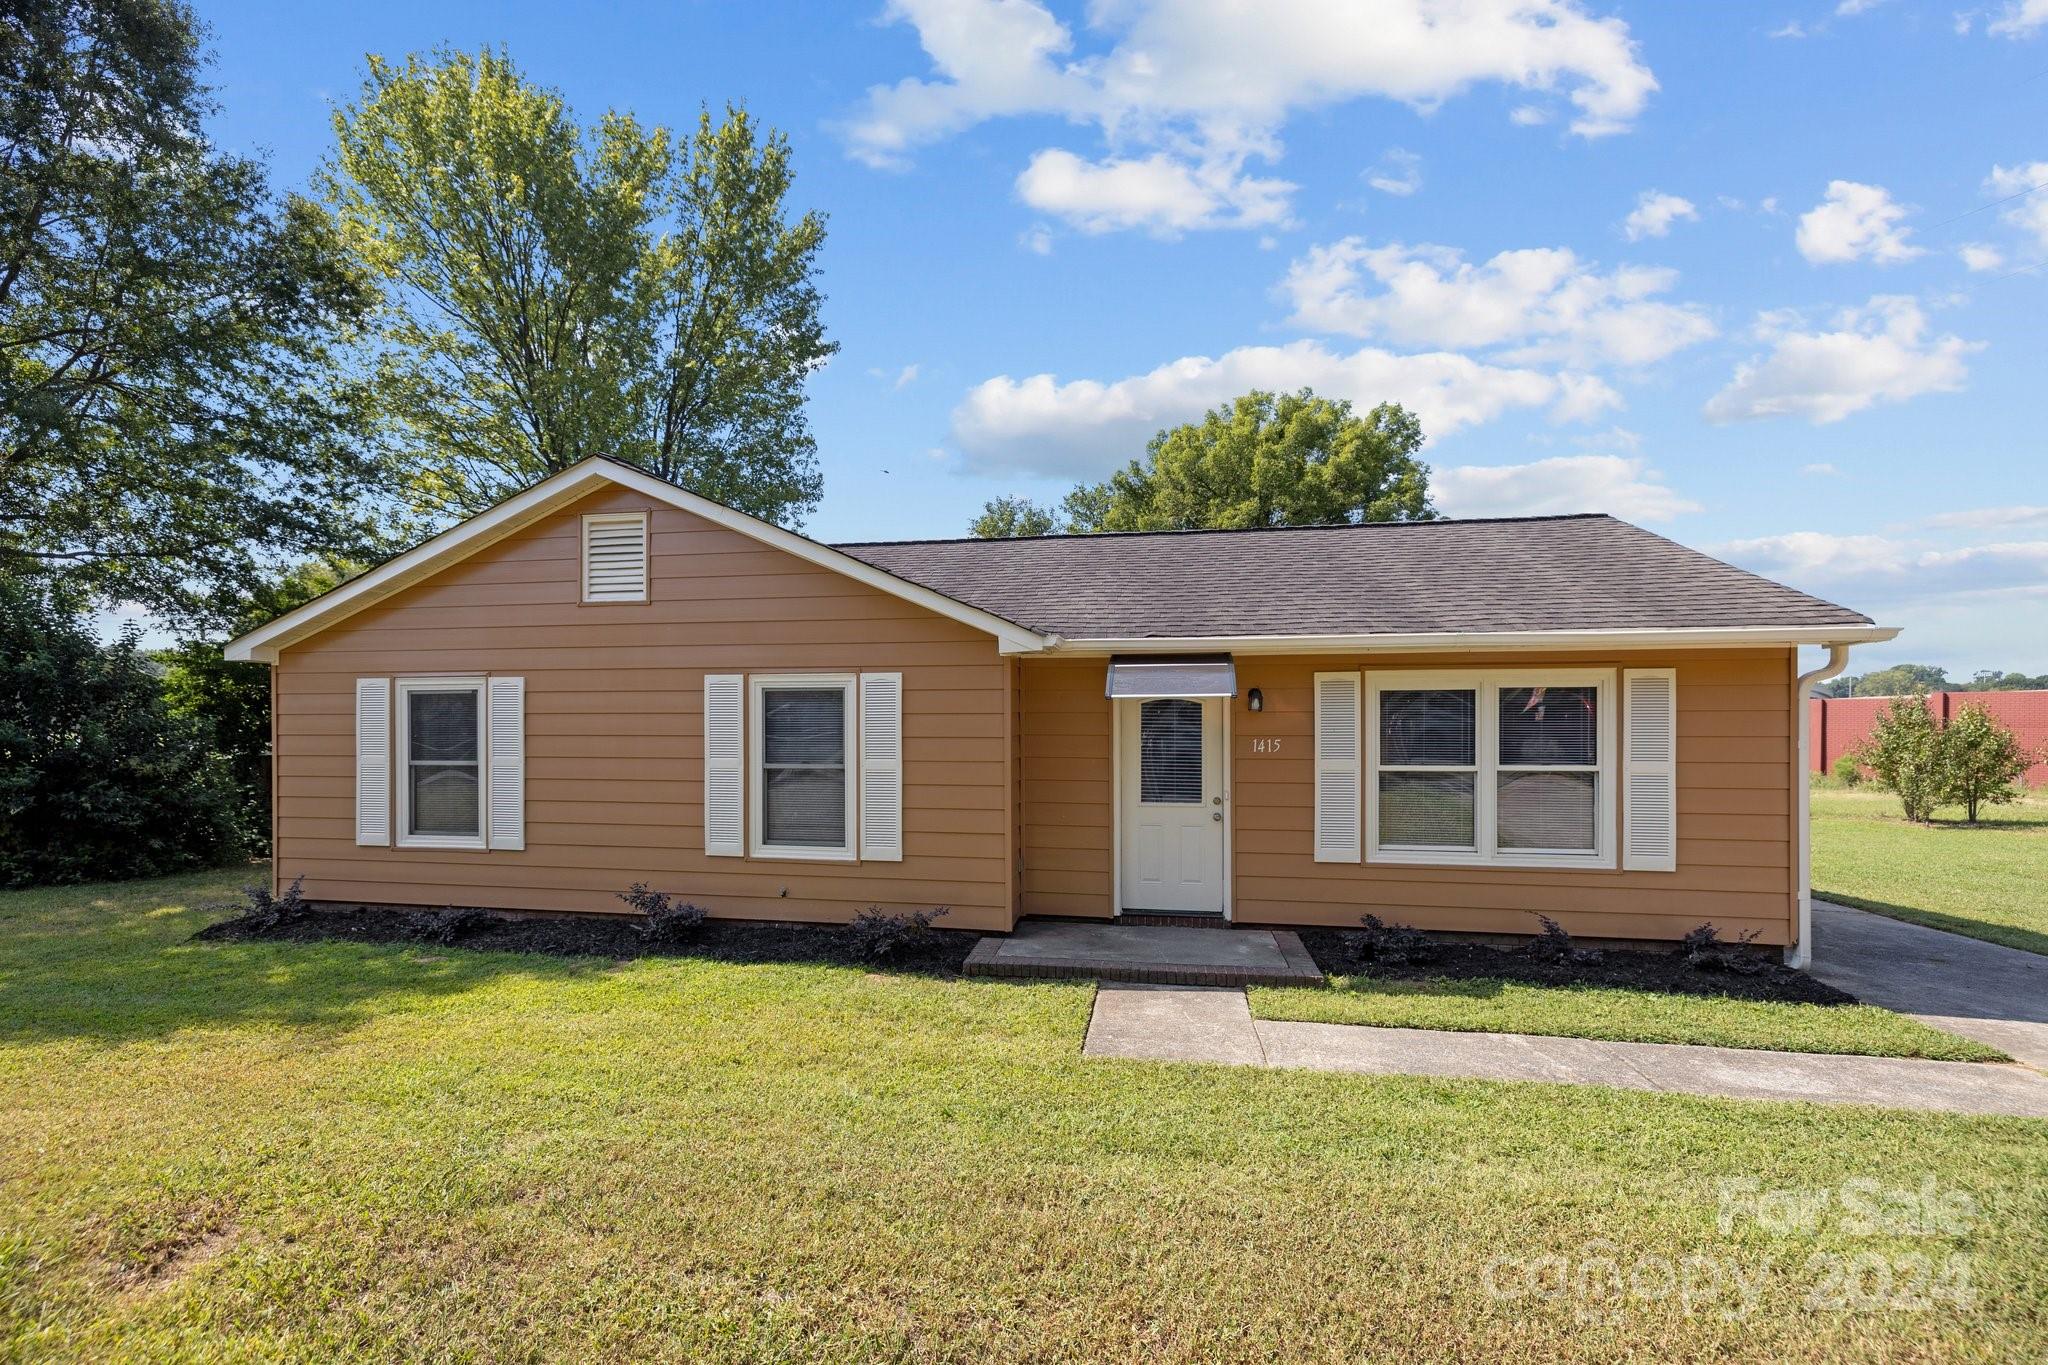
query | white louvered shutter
(881,767)
(615,558)
(373,760)
(506,798)
(1339,825)
(724,758)
(1649,770)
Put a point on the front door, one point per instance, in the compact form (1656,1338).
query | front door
(1171,772)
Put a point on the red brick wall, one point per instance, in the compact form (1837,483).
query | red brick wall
(1838,724)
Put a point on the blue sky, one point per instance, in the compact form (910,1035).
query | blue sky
(1738,272)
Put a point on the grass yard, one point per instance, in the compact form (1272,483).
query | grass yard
(1624,1015)
(261,1151)
(1989,881)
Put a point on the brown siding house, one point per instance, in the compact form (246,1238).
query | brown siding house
(608,680)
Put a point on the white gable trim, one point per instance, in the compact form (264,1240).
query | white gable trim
(459,542)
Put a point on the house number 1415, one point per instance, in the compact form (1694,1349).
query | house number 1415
(1265,746)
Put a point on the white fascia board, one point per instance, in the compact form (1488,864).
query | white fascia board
(461,541)
(1504,641)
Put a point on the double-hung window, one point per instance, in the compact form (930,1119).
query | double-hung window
(1500,768)
(803,742)
(441,748)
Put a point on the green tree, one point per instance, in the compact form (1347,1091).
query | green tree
(171,415)
(1983,761)
(1992,681)
(1007,517)
(1901,680)
(1266,460)
(97,778)
(554,292)
(1905,754)
(232,700)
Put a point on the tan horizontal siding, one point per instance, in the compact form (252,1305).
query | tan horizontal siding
(614,729)
(1064,720)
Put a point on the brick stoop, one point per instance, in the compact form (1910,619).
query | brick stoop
(1169,955)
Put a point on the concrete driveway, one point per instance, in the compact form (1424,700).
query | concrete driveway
(1995,994)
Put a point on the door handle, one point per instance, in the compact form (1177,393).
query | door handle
(1216,815)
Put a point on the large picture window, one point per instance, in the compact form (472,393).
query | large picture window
(803,738)
(441,747)
(1509,768)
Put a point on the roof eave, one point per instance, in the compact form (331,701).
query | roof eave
(1707,637)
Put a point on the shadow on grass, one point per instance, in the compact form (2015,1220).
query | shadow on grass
(2005,935)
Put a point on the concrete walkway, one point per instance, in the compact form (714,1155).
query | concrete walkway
(1197,1024)
(1160,953)
(1986,991)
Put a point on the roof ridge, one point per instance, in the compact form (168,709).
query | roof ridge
(1229,530)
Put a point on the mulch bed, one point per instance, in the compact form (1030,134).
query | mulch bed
(1349,953)
(724,940)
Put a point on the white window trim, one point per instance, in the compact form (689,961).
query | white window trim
(646,557)
(1487,684)
(402,766)
(756,780)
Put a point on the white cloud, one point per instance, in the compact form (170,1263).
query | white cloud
(1879,568)
(1624,487)
(1036,239)
(1879,353)
(2020,19)
(1544,301)
(1528,115)
(1980,256)
(1083,427)
(1980,518)
(1822,470)
(900,379)
(1854,222)
(2029,215)
(1398,173)
(1654,214)
(1849,8)
(1212,82)
(1159,193)
(1791,28)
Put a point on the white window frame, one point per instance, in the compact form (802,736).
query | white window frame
(646,557)
(1486,685)
(758,684)
(402,767)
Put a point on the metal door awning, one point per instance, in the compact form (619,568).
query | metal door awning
(1210,676)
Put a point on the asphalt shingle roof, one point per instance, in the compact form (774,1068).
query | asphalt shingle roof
(1589,572)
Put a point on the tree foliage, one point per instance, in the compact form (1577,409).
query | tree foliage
(1262,460)
(170,413)
(1904,753)
(98,779)
(1902,680)
(1983,761)
(554,292)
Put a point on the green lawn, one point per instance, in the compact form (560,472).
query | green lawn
(266,1152)
(1624,1015)
(1989,880)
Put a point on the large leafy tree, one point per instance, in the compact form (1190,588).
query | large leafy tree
(1263,460)
(170,412)
(554,292)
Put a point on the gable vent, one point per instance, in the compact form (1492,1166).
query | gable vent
(615,558)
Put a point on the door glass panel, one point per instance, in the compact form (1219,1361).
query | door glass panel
(1435,728)
(1170,752)
(1542,727)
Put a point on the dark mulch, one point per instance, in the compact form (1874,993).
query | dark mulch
(1350,953)
(942,953)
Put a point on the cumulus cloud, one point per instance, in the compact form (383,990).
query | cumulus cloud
(2020,19)
(1654,214)
(1879,353)
(1878,568)
(1979,256)
(1399,173)
(1615,484)
(2030,214)
(1159,193)
(1821,470)
(1855,222)
(1083,427)
(1214,81)
(1544,302)
(1981,518)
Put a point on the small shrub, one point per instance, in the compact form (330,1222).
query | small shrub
(1704,950)
(450,926)
(1848,771)
(1984,761)
(665,921)
(1391,947)
(880,937)
(269,912)
(1905,752)
(1553,943)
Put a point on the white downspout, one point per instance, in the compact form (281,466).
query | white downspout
(1800,954)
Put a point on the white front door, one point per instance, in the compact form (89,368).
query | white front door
(1171,774)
